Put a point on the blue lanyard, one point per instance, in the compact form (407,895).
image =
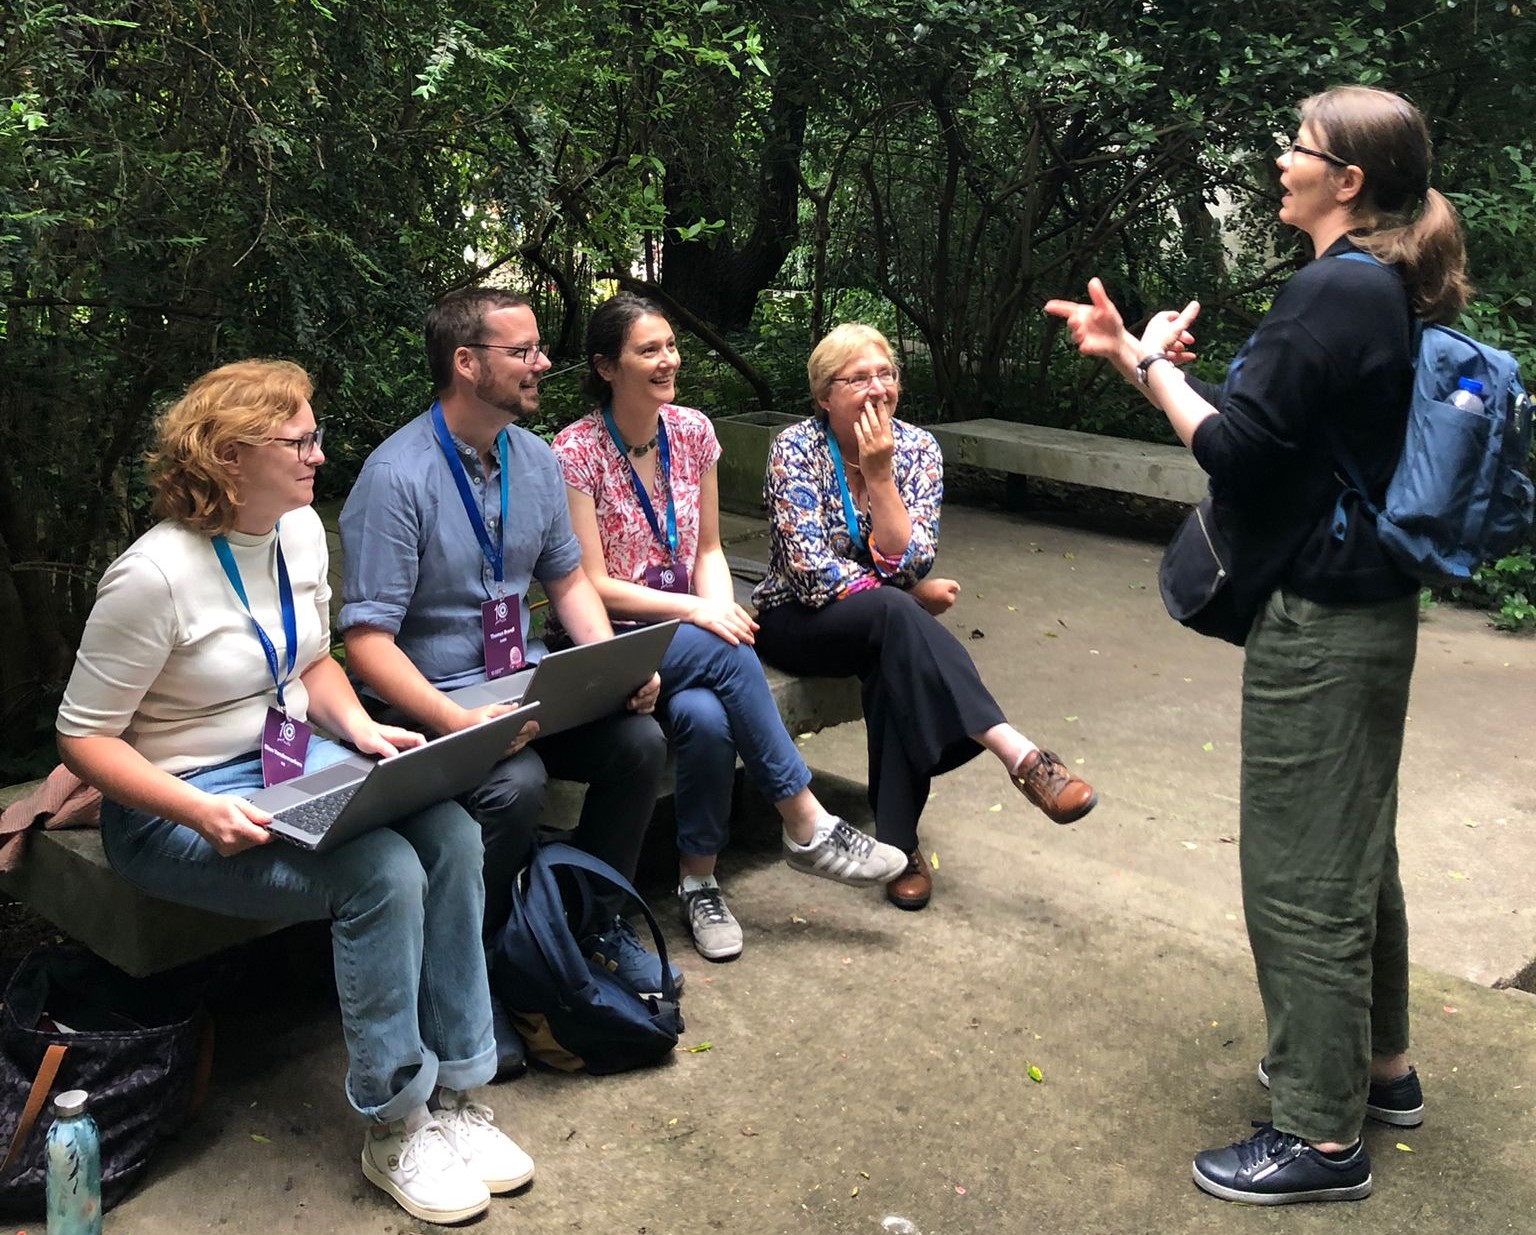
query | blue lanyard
(493,553)
(284,602)
(849,513)
(664,462)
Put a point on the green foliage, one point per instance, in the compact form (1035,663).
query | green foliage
(183,184)
(1505,588)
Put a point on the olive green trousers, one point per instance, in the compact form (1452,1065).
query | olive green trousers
(1325,697)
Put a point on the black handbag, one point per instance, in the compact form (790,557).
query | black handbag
(71,1021)
(1215,576)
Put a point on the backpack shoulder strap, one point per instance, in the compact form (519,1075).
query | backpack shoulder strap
(595,870)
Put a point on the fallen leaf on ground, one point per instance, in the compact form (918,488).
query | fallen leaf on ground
(1455,874)
(1035,1074)
(933,859)
(1189,844)
(854,1191)
(700,1047)
(1208,747)
(1407,1149)
(994,808)
(261,1140)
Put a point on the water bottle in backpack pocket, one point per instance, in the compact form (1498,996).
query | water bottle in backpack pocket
(1460,495)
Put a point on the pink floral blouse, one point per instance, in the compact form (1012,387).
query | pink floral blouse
(593,465)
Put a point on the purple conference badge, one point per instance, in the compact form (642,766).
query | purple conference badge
(672,577)
(284,742)
(501,620)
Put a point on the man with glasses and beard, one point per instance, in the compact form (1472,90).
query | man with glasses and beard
(451,519)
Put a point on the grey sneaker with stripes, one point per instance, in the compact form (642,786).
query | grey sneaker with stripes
(839,851)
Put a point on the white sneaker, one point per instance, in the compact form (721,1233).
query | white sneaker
(490,1154)
(423,1173)
(840,851)
(715,930)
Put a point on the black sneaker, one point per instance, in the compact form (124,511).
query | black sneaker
(1399,1103)
(1276,1168)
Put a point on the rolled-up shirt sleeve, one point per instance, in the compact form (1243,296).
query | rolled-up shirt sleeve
(381,541)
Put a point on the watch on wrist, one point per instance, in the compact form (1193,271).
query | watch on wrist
(1145,363)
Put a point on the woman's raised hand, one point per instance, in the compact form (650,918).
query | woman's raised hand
(1098,329)
(877,442)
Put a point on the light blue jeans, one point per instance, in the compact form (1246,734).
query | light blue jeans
(404,903)
(717,705)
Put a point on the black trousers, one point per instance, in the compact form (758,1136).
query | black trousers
(922,695)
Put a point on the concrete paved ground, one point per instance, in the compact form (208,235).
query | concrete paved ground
(865,1063)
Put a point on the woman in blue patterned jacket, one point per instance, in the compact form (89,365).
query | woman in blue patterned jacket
(853,497)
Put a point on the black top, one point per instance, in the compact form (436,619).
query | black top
(1331,362)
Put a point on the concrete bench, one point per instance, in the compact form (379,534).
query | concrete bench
(65,877)
(1149,469)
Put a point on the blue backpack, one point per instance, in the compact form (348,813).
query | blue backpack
(572,1012)
(1460,495)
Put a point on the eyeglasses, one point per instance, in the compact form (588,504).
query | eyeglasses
(863,381)
(521,352)
(1333,159)
(306,445)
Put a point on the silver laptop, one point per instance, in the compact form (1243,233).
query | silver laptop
(327,808)
(580,684)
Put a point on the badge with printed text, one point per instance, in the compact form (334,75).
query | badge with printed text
(673,577)
(284,743)
(501,620)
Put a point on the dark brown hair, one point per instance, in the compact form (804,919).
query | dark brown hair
(607,329)
(1400,219)
(459,318)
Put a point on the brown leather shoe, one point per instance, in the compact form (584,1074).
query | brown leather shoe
(912,888)
(1045,781)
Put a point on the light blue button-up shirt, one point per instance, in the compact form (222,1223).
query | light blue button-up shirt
(412,565)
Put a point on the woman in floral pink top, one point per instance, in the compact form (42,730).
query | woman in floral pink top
(853,502)
(640,477)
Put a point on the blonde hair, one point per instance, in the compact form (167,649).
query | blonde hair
(196,436)
(1401,220)
(842,344)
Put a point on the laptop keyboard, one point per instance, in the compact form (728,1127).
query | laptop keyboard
(316,815)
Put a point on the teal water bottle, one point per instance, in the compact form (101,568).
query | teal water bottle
(74,1168)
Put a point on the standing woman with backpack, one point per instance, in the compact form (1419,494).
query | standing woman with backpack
(1328,658)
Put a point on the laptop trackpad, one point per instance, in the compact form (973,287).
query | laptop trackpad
(311,784)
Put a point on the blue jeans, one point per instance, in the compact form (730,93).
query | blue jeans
(404,904)
(717,705)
